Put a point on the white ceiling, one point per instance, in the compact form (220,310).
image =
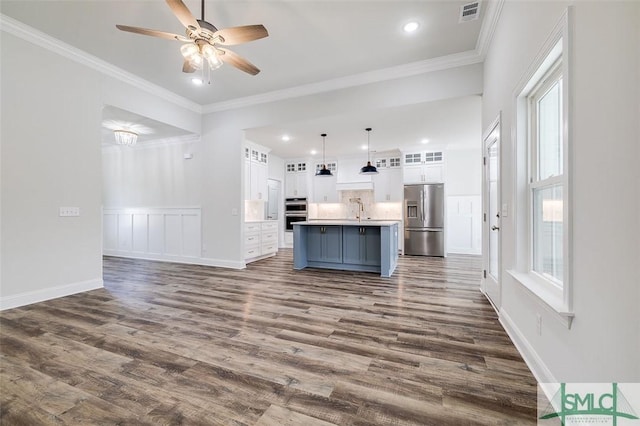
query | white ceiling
(450,124)
(309,42)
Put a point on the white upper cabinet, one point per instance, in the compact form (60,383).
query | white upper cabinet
(256,172)
(423,167)
(387,185)
(295,179)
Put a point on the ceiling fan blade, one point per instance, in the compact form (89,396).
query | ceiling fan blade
(188,67)
(238,35)
(152,33)
(183,13)
(237,61)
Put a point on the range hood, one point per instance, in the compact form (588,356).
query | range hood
(354,186)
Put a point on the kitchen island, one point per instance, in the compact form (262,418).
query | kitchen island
(348,245)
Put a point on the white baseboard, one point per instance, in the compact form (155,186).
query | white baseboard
(531,358)
(30,297)
(463,251)
(205,261)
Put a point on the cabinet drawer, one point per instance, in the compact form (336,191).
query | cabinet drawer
(269,236)
(270,225)
(252,240)
(250,252)
(252,227)
(269,248)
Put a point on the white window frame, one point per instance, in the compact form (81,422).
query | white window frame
(555,52)
(542,87)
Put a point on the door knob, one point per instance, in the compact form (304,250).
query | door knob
(495,228)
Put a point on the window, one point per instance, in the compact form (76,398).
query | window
(546,176)
(542,130)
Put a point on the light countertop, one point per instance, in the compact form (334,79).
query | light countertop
(348,222)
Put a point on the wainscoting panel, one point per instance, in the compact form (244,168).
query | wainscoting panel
(464,224)
(153,233)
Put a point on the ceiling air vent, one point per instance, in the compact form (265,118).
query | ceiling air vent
(470,12)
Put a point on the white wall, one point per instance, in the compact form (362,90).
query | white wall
(463,171)
(603,344)
(156,176)
(51,157)
(51,115)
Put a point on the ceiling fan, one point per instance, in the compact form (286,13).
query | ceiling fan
(205,40)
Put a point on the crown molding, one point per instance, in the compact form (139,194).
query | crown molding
(493,9)
(492,15)
(155,143)
(31,35)
(401,71)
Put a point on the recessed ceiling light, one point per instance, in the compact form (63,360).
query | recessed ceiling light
(410,27)
(197,81)
(314,152)
(286,138)
(425,140)
(364,147)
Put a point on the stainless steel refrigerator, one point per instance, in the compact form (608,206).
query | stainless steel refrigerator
(424,219)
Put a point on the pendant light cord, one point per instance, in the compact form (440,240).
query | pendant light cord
(324,161)
(368,129)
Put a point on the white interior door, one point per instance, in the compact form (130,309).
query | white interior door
(273,199)
(491,225)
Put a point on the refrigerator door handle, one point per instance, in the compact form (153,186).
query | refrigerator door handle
(422,206)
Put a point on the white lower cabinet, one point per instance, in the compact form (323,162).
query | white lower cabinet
(260,240)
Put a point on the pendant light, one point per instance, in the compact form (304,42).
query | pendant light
(368,169)
(323,171)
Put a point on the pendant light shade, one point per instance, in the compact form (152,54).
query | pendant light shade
(323,171)
(369,169)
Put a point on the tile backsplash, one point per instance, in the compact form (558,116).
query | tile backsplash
(254,210)
(347,209)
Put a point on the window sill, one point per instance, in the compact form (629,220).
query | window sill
(551,299)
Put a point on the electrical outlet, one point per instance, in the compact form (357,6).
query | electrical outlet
(539,324)
(69,211)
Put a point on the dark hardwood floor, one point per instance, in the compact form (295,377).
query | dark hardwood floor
(166,344)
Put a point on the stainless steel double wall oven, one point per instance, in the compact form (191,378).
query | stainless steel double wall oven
(295,210)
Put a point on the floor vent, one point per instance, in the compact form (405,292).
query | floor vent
(470,12)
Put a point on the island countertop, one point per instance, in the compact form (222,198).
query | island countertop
(349,245)
(349,222)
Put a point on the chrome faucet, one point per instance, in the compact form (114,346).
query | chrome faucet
(360,207)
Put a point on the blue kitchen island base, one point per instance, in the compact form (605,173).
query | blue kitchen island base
(370,246)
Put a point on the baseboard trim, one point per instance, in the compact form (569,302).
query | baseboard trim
(539,369)
(30,297)
(463,251)
(204,261)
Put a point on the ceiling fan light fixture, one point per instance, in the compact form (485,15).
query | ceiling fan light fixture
(125,137)
(210,54)
(189,50)
(369,169)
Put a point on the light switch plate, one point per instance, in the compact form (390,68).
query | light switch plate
(69,211)
(505,210)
